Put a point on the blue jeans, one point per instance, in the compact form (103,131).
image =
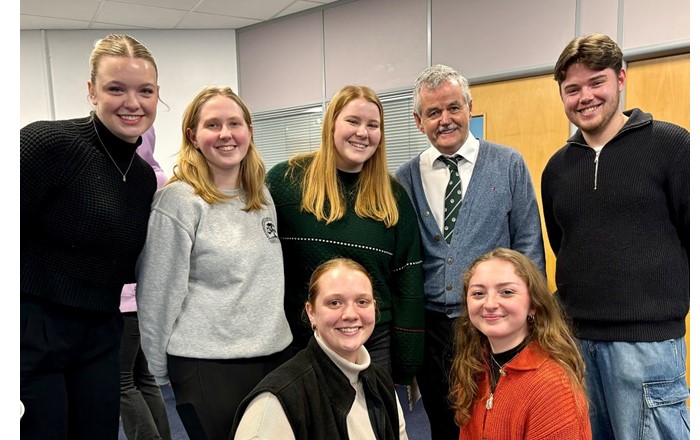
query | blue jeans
(637,390)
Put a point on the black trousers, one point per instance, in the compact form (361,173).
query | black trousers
(143,412)
(208,391)
(433,376)
(69,371)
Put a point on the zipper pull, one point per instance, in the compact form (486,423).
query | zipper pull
(489,403)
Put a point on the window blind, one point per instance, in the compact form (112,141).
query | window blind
(281,134)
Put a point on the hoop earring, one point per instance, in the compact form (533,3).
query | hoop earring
(313,327)
(531,319)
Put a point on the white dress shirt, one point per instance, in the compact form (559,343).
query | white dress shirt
(435,175)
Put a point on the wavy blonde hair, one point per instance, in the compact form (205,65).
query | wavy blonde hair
(550,329)
(192,166)
(321,193)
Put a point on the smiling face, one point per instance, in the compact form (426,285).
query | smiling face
(498,302)
(343,310)
(592,101)
(444,116)
(223,137)
(356,134)
(125,95)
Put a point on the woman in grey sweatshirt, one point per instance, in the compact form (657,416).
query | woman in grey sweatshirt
(210,277)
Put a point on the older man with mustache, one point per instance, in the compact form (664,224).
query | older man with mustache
(471,196)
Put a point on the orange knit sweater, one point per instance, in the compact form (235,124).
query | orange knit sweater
(533,400)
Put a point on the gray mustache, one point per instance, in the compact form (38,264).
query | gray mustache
(444,128)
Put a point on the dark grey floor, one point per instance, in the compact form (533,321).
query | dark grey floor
(417,425)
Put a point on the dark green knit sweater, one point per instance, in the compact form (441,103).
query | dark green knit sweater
(392,256)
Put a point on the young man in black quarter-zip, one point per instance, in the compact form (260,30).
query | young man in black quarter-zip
(616,202)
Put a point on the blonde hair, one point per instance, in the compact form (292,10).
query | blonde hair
(550,329)
(118,45)
(321,191)
(192,166)
(329,265)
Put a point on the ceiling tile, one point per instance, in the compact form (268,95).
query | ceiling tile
(184,5)
(156,14)
(29,22)
(140,16)
(72,10)
(196,20)
(297,6)
(262,10)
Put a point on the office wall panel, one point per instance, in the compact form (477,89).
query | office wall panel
(380,43)
(281,63)
(599,16)
(34,103)
(661,87)
(483,37)
(653,22)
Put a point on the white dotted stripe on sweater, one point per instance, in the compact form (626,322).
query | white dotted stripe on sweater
(340,243)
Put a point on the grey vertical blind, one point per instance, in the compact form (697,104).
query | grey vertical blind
(281,134)
(403,139)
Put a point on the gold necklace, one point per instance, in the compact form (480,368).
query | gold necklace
(494,382)
(110,156)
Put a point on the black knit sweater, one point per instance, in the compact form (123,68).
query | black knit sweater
(82,226)
(623,243)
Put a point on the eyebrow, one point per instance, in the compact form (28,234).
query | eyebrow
(593,78)
(503,284)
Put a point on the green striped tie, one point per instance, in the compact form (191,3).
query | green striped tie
(453,195)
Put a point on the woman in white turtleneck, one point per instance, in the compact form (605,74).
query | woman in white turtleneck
(330,389)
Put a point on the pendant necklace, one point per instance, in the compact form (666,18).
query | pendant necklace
(110,156)
(494,380)
(497,370)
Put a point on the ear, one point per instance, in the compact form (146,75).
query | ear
(310,313)
(192,137)
(621,79)
(470,110)
(419,124)
(91,93)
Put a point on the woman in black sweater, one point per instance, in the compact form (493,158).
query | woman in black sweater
(85,202)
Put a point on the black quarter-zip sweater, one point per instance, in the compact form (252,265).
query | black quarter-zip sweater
(622,240)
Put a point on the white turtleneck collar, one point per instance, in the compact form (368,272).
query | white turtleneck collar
(351,370)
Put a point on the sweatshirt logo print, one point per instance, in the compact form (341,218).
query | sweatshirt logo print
(270,230)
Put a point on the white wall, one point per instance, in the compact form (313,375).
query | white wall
(54,74)
(386,43)
(303,58)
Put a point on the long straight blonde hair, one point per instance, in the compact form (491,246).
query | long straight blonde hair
(192,166)
(321,193)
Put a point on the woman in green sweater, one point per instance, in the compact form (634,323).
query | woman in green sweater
(341,201)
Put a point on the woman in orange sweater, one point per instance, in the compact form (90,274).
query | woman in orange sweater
(517,371)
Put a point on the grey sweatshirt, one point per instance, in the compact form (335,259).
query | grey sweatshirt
(210,280)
